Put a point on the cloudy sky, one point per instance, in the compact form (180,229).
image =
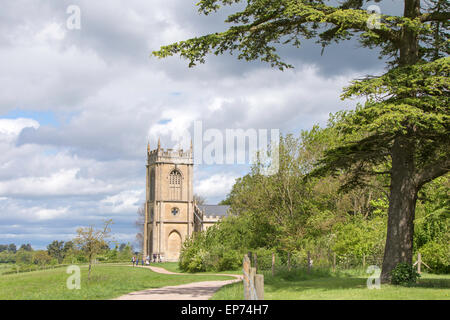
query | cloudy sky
(77,107)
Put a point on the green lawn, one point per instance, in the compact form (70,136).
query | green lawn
(170,266)
(344,286)
(173,267)
(106,282)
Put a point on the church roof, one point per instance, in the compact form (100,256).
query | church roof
(214,210)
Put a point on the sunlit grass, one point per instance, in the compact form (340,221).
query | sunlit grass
(106,282)
(173,267)
(350,285)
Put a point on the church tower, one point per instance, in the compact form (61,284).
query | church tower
(169,206)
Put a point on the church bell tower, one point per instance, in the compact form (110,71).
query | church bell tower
(169,206)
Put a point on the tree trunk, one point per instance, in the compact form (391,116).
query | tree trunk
(90,264)
(403,189)
(402,204)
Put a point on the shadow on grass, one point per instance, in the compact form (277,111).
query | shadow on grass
(324,279)
(318,279)
(433,283)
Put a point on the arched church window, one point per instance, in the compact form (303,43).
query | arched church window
(175,185)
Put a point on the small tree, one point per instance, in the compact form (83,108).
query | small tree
(24,257)
(92,241)
(41,258)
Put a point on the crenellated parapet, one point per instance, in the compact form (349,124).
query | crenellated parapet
(212,218)
(170,156)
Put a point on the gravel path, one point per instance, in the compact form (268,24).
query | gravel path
(190,291)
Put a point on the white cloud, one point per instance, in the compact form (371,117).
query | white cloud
(52,31)
(48,214)
(11,128)
(216,185)
(64,182)
(125,201)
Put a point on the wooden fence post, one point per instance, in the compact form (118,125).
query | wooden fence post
(253,283)
(309,262)
(259,286)
(246,280)
(334,261)
(273,263)
(419,262)
(289,261)
(255,259)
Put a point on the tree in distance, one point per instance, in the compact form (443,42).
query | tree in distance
(93,241)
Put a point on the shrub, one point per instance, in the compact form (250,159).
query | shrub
(437,256)
(192,256)
(264,257)
(230,260)
(404,274)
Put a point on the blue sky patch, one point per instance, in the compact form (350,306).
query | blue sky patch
(45,118)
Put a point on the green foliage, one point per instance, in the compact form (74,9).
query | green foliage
(12,248)
(26,247)
(205,252)
(192,255)
(287,213)
(433,214)
(264,256)
(261,25)
(437,256)
(357,237)
(56,250)
(24,257)
(125,253)
(7,257)
(404,274)
(41,258)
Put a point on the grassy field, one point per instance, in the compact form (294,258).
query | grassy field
(343,286)
(173,266)
(107,281)
(110,281)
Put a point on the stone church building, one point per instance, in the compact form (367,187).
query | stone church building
(171,215)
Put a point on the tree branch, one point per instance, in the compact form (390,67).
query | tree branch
(433,171)
(435,16)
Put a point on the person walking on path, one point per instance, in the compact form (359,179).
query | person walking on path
(133,260)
